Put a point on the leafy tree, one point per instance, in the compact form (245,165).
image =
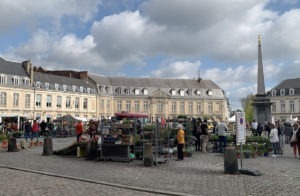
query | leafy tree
(247,106)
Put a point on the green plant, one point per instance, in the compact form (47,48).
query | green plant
(3,137)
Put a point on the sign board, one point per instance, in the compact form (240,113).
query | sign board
(240,128)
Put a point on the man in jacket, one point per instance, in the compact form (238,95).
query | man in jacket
(221,130)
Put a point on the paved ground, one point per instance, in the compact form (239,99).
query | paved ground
(27,172)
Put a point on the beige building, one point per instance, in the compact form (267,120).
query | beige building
(285,98)
(47,95)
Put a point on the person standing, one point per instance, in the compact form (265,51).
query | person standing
(43,126)
(274,139)
(27,128)
(295,140)
(204,136)
(35,130)
(180,140)
(79,130)
(254,127)
(221,130)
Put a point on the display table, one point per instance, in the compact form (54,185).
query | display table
(114,152)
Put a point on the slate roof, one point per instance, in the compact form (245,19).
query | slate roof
(289,83)
(12,68)
(154,82)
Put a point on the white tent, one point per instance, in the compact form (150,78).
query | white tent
(232,119)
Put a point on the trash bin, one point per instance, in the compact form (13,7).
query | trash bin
(148,154)
(230,161)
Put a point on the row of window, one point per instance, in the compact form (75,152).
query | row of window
(62,87)
(291,107)
(38,101)
(282,92)
(15,80)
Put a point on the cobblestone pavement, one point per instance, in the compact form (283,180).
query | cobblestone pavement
(27,172)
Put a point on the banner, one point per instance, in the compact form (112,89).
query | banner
(240,128)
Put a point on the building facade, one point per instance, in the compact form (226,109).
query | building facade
(285,98)
(36,93)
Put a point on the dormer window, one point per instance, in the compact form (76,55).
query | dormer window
(173,92)
(108,89)
(136,91)
(198,92)
(145,91)
(46,85)
(74,88)
(282,92)
(88,90)
(26,82)
(181,92)
(3,79)
(15,80)
(209,92)
(189,92)
(118,90)
(81,89)
(291,91)
(127,91)
(38,84)
(273,93)
(64,87)
(102,88)
(56,86)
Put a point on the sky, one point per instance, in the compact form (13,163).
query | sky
(158,38)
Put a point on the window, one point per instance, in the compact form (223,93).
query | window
(38,100)
(26,82)
(102,104)
(68,102)
(58,101)
(118,90)
(274,107)
(198,92)
(119,105)
(210,107)
(146,106)
(136,106)
(292,106)
(282,105)
(198,106)
(27,101)
(101,88)
(291,91)
(182,107)
(128,106)
(76,103)
(218,107)
(49,101)
(46,85)
(88,90)
(56,86)
(160,107)
(15,80)
(209,92)
(174,106)
(136,91)
(282,92)
(3,96)
(65,87)
(38,84)
(145,91)
(85,103)
(108,105)
(74,88)
(127,91)
(3,79)
(273,93)
(16,99)
(181,92)
(189,92)
(81,89)
(108,89)
(190,106)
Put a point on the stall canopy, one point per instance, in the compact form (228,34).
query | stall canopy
(67,118)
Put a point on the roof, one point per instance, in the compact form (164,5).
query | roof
(289,83)
(154,82)
(12,68)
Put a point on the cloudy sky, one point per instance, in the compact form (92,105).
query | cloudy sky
(158,38)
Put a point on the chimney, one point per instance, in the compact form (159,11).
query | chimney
(84,75)
(27,66)
(199,79)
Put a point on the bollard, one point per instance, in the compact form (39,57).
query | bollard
(148,154)
(230,161)
(48,146)
(12,145)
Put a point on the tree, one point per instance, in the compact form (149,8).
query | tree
(247,106)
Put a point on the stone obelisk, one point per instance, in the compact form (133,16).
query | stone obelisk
(261,102)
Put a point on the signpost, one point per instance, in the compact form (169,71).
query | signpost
(241,132)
